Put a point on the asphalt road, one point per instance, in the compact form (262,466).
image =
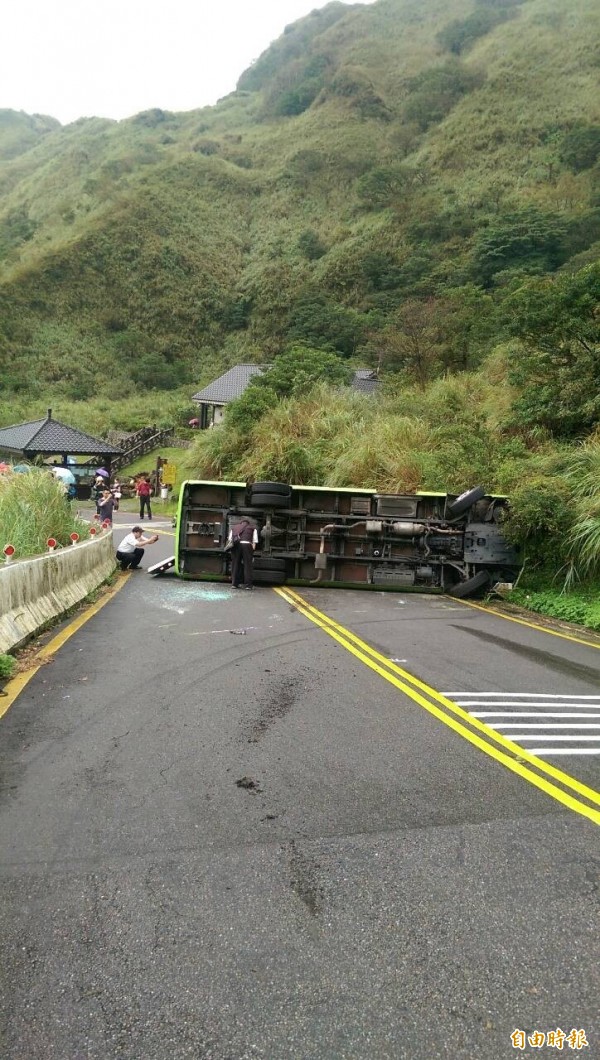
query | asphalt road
(224,836)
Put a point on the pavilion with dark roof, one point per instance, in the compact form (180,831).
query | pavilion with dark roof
(49,437)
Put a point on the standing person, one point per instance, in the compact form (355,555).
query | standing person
(130,551)
(144,492)
(244,539)
(116,492)
(106,506)
(97,490)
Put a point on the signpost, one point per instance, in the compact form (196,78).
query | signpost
(169,474)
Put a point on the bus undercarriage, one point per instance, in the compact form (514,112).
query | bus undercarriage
(321,535)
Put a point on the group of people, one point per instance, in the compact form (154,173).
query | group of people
(130,550)
(107,497)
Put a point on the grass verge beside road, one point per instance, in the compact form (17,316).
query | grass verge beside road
(581,607)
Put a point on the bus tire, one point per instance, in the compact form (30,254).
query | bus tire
(269,577)
(270,563)
(270,500)
(270,487)
(479,581)
(466,501)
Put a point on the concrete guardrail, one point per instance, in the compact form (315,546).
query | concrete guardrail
(35,591)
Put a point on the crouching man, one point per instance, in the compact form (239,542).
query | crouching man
(130,551)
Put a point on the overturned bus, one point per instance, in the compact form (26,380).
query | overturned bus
(323,535)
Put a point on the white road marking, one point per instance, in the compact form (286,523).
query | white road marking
(556,718)
(563,739)
(564,751)
(550,725)
(535,714)
(515,695)
(500,703)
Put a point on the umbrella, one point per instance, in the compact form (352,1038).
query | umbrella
(4,467)
(103,472)
(194,423)
(22,467)
(64,475)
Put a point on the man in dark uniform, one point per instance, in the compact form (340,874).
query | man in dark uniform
(244,539)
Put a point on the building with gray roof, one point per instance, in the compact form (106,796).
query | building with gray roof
(213,399)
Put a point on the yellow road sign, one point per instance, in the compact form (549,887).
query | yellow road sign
(169,474)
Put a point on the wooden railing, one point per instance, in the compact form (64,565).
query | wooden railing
(143,441)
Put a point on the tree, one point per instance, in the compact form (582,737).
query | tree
(580,148)
(315,322)
(412,342)
(311,245)
(457,36)
(154,372)
(244,413)
(436,91)
(524,240)
(382,186)
(558,366)
(299,368)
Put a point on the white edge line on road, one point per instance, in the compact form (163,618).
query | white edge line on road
(515,695)
(468,703)
(551,725)
(563,739)
(534,714)
(563,751)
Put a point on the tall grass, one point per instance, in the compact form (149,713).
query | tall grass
(34,507)
(584,474)
(398,444)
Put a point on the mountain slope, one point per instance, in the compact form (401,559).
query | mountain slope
(413,155)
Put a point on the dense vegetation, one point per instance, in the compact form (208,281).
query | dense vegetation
(411,185)
(33,508)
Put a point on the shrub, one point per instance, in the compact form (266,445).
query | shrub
(310,245)
(7,666)
(580,148)
(460,34)
(244,413)
(436,91)
(540,519)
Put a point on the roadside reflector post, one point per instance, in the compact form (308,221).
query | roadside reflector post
(74,538)
(92,531)
(9,551)
(51,543)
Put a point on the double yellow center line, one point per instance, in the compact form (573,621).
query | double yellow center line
(509,754)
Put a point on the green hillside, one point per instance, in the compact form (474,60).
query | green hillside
(412,185)
(412,149)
